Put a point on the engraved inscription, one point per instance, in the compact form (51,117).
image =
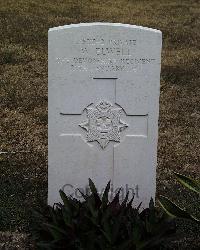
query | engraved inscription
(116,51)
(102,41)
(103,124)
(105,55)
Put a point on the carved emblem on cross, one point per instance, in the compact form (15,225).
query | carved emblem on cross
(103,123)
(102,116)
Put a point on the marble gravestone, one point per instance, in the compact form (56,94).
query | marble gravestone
(103,108)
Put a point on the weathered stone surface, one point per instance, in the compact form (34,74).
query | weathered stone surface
(103,108)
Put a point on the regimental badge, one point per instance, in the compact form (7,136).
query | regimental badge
(103,123)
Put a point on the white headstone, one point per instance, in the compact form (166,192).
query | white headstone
(104,83)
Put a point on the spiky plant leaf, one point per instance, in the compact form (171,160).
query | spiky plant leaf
(56,231)
(188,182)
(92,187)
(124,202)
(85,196)
(97,200)
(64,197)
(105,197)
(151,204)
(115,200)
(97,223)
(174,210)
(130,202)
(66,217)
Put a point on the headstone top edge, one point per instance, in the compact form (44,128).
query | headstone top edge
(103,24)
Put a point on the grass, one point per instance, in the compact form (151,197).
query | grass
(23,92)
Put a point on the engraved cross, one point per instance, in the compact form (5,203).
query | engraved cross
(104,120)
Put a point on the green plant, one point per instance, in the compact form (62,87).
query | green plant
(100,224)
(174,210)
